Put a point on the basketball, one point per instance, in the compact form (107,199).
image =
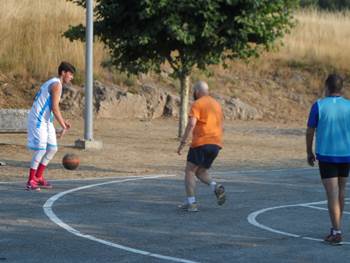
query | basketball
(70,161)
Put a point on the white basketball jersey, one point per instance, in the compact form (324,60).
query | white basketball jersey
(41,111)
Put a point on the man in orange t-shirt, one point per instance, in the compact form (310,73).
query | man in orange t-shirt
(206,126)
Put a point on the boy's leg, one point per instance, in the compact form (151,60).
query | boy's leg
(51,150)
(49,154)
(37,156)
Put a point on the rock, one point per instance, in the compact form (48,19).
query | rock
(160,103)
(124,105)
(235,109)
(112,102)
(171,107)
(146,103)
(72,99)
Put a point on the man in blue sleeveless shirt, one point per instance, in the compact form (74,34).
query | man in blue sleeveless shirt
(330,119)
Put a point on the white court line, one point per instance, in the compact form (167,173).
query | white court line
(252,219)
(54,218)
(322,208)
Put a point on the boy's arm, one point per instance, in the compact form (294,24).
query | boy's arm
(55,97)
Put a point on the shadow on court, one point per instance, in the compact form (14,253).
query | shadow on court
(55,166)
(138,221)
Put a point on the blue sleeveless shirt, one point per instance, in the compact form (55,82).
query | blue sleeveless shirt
(331,118)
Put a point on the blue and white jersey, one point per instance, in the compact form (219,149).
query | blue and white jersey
(331,118)
(41,111)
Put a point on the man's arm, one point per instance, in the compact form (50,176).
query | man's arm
(55,97)
(309,142)
(188,131)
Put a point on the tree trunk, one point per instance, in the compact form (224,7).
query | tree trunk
(185,88)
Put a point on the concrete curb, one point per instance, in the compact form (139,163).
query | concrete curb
(13,120)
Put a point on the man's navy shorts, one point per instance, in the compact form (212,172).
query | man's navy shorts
(330,170)
(204,155)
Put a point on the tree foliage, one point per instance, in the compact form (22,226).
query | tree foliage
(142,34)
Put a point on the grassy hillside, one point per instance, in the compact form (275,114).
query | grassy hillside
(282,83)
(33,44)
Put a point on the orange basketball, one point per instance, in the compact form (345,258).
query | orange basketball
(70,161)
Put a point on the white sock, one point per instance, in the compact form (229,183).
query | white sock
(334,232)
(191,199)
(213,186)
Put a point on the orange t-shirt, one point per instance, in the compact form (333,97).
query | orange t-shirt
(208,129)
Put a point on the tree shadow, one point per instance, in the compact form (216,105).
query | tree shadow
(59,166)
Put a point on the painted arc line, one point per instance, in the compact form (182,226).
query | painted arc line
(252,219)
(55,219)
(322,208)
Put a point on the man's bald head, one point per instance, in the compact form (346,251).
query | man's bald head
(200,88)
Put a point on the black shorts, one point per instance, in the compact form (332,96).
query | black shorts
(330,170)
(203,156)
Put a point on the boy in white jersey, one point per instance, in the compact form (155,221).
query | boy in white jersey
(41,131)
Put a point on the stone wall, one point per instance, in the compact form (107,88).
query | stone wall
(148,102)
(13,120)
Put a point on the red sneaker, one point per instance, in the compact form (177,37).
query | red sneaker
(32,185)
(44,184)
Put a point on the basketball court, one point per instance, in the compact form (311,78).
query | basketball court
(270,216)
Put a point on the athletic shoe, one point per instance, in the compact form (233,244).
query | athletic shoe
(32,186)
(44,184)
(189,207)
(220,194)
(335,240)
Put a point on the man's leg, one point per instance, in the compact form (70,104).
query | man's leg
(203,175)
(342,191)
(190,185)
(190,180)
(331,186)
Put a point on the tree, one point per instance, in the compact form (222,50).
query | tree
(144,34)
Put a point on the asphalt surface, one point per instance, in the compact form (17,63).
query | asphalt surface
(128,219)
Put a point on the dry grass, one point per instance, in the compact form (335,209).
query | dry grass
(319,38)
(32,43)
(31,37)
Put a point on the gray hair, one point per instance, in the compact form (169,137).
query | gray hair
(201,86)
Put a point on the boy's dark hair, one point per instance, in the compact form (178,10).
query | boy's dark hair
(334,83)
(65,66)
